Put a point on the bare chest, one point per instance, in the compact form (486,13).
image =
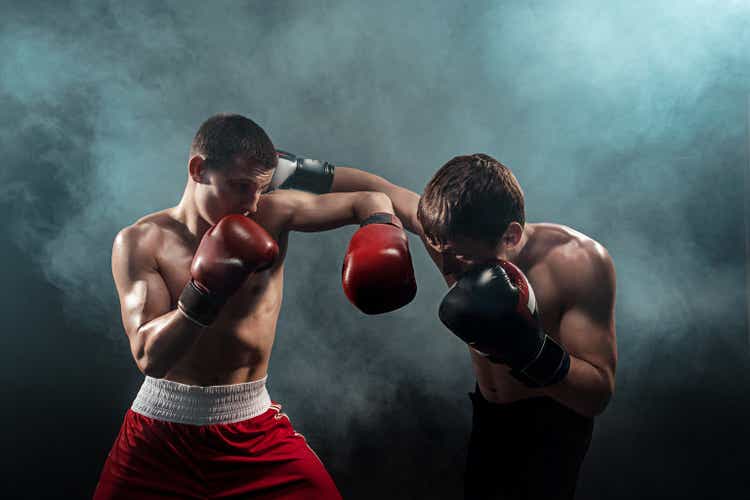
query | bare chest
(175,257)
(246,325)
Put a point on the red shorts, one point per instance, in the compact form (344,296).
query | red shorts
(260,457)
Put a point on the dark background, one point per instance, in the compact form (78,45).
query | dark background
(624,120)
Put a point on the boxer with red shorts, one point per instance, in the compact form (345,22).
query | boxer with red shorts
(200,287)
(210,442)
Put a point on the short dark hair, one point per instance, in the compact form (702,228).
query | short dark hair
(473,196)
(224,136)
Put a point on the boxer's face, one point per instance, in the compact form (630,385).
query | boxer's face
(460,254)
(233,189)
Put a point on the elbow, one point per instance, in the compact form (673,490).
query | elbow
(593,402)
(147,364)
(604,395)
(598,407)
(592,408)
(601,403)
(151,369)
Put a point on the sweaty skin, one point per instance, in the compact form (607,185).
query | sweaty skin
(573,278)
(151,265)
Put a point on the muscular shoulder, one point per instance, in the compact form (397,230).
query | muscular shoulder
(280,200)
(139,242)
(583,266)
(275,209)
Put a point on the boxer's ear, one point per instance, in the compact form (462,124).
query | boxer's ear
(512,235)
(197,169)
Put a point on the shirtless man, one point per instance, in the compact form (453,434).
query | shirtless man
(200,288)
(540,379)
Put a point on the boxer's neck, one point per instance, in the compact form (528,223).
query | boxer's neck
(188,213)
(518,254)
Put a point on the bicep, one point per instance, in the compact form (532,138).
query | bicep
(587,328)
(142,291)
(589,339)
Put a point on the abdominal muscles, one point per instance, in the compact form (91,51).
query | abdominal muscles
(236,348)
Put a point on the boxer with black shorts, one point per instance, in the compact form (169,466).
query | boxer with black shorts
(200,288)
(535,305)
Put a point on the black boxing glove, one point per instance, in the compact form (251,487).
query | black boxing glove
(493,309)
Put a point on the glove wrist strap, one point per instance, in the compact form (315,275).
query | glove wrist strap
(550,366)
(382,218)
(199,305)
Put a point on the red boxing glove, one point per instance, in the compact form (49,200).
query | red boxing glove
(378,276)
(228,253)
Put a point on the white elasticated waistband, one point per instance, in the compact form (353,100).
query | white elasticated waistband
(192,404)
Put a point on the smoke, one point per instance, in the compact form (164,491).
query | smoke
(626,122)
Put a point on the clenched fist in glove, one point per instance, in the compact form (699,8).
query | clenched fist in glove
(493,309)
(228,253)
(377,275)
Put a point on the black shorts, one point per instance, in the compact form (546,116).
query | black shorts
(527,449)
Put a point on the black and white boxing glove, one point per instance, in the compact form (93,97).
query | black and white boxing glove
(294,172)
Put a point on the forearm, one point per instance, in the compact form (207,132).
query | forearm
(586,388)
(404,201)
(159,344)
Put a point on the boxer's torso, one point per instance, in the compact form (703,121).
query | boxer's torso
(236,348)
(548,259)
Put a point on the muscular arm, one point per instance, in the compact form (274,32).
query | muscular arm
(404,201)
(159,335)
(311,213)
(587,330)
